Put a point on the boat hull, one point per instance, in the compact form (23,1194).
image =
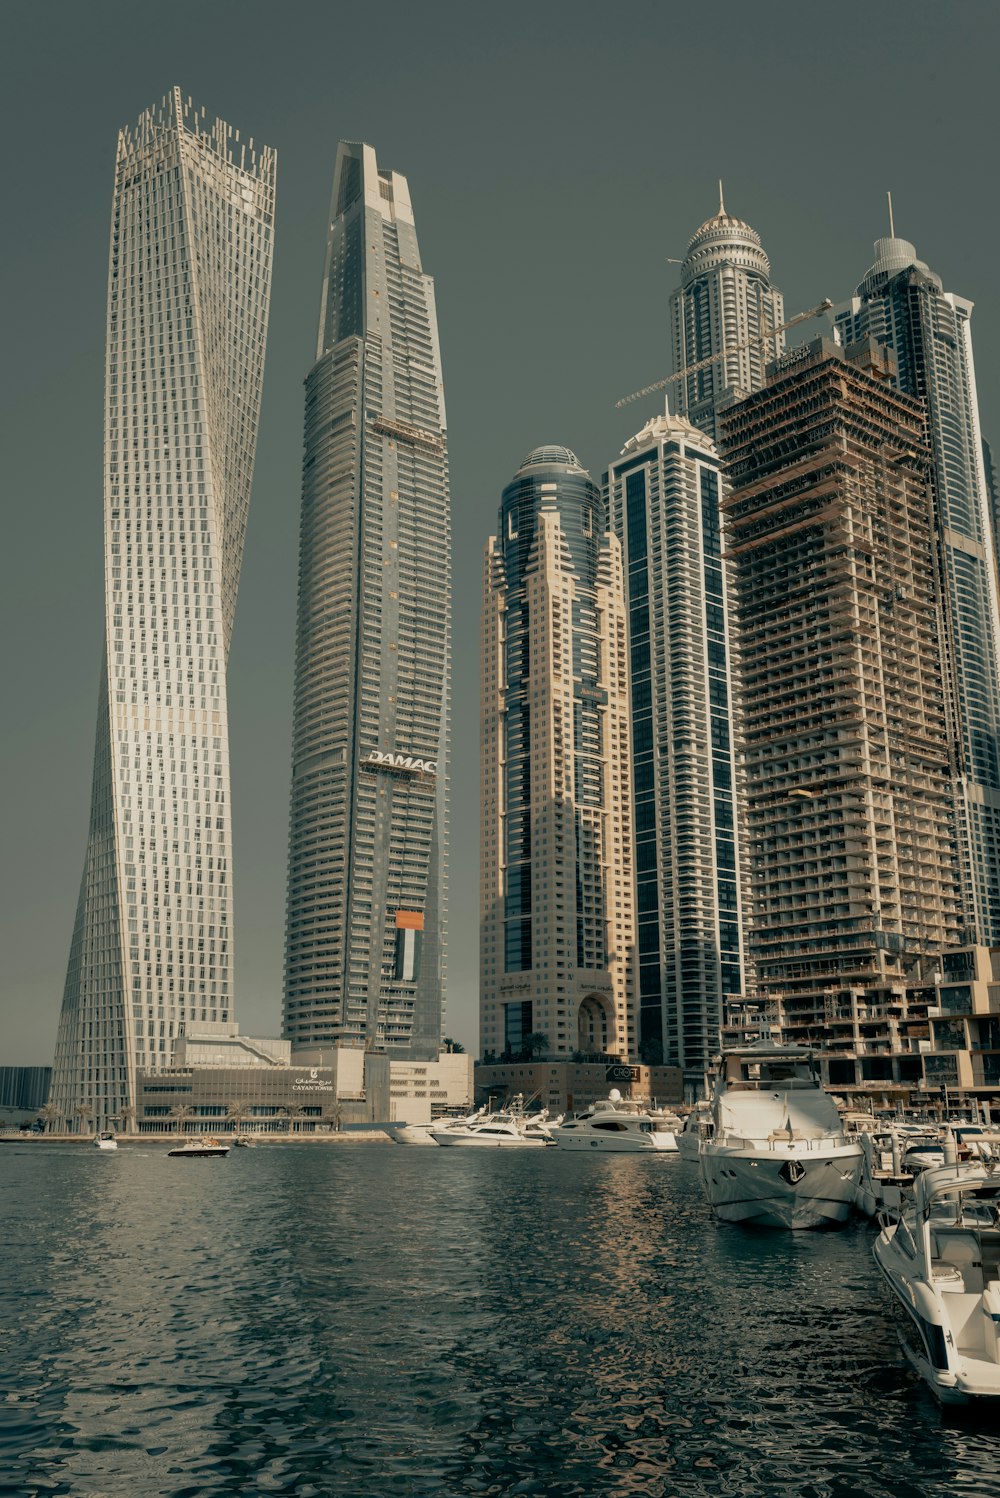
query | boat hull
(458,1139)
(642,1144)
(927,1338)
(781,1189)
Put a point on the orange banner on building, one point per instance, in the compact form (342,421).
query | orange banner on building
(409,920)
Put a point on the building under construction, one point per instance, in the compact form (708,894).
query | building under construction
(853,870)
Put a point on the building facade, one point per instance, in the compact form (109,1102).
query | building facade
(903,304)
(725,305)
(663,498)
(368,845)
(557,886)
(188,292)
(829,526)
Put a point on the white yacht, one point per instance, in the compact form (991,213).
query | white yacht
(941,1259)
(423,1133)
(507,1128)
(618,1127)
(778,1155)
(106,1140)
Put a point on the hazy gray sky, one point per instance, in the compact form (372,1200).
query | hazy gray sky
(557,154)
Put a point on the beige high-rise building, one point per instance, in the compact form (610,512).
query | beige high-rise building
(557,894)
(829,533)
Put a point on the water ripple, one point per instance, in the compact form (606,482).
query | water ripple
(327,1323)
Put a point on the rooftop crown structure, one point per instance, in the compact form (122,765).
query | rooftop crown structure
(188,290)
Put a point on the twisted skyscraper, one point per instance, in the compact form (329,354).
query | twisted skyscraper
(188,289)
(364,954)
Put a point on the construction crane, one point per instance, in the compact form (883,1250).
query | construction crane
(735,348)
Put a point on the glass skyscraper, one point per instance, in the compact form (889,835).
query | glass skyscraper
(664,494)
(368,844)
(902,303)
(557,891)
(188,290)
(724,304)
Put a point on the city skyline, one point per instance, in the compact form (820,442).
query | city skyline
(460,158)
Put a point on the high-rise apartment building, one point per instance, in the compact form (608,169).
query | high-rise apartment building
(725,305)
(664,494)
(903,304)
(829,528)
(368,846)
(557,890)
(189,281)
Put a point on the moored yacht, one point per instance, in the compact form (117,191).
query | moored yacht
(619,1127)
(507,1128)
(696,1126)
(941,1260)
(778,1155)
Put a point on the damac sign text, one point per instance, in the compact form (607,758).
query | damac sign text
(399,764)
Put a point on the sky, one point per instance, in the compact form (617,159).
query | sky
(559,156)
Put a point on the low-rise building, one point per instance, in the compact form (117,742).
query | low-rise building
(569,1086)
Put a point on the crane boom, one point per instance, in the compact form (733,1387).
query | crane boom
(734,348)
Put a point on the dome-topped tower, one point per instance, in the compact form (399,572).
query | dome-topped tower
(725,302)
(724,239)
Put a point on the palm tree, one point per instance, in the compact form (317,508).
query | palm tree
(83,1111)
(334,1114)
(295,1113)
(126,1117)
(454,1047)
(237,1112)
(536,1043)
(180,1113)
(48,1112)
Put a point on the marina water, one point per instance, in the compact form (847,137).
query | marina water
(361,1319)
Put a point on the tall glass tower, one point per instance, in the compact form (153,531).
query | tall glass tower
(724,304)
(557,890)
(664,493)
(902,303)
(188,289)
(368,845)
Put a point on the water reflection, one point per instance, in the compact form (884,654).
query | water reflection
(362,1319)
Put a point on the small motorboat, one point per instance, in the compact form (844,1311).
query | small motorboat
(696,1126)
(244,1142)
(106,1140)
(940,1257)
(204,1146)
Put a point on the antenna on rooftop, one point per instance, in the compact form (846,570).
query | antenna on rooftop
(892,230)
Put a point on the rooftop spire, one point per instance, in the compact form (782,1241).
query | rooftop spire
(892,231)
(722,206)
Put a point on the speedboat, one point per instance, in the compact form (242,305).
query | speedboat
(941,1260)
(617,1127)
(206,1145)
(778,1155)
(244,1142)
(106,1140)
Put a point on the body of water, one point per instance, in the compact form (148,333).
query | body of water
(363,1319)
